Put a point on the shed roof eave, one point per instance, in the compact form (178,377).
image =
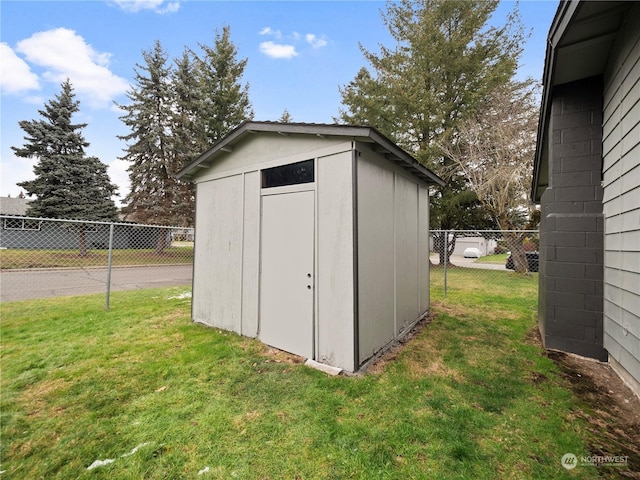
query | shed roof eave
(361,133)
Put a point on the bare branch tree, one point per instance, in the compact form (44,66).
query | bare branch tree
(495,151)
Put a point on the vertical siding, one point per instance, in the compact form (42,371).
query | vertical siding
(376,260)
(393,252)
(251,254)
(621,182)
(217,272)
(335,272)
(423,247)
(406,239)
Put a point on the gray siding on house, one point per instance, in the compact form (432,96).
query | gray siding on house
(621,182)
(571,240)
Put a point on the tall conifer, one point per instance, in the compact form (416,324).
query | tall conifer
(184,144)
(445,63)
(148,115)
(68,184)
(176,112)
(224,99)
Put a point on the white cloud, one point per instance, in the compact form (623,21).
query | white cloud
(288,50)
(16,169)
(65,54)
(278,50)
(119,175)
(315,41)
(16,76)
(269,31)
(158,6)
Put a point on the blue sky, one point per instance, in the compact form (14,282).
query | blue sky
(299,54)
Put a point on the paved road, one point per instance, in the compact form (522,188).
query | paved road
(460,261)
(29,284)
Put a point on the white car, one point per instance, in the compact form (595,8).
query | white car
(471,252)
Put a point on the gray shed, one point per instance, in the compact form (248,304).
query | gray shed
(312,238)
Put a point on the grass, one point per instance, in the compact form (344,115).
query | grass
(499,259)
(21,258)
(470,396)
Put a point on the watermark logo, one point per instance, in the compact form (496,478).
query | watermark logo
(571,461)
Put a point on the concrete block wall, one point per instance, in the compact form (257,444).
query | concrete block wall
(572,225)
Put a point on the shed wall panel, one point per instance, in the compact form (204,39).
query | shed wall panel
(376,255)
(218,254)
(335,261)
(621,198)
(251,254)
(217,273)
(423,247)
(407,257)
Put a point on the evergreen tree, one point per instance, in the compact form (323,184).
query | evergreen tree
(184,146)
(224,100)
(285,117)
(445,63)
(151,197)
(175,114)
(68,184)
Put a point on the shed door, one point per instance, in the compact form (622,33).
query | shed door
(286,279)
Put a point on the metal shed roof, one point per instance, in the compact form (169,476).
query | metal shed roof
(580,38)
(382,145)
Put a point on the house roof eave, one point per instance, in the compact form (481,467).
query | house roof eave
(578,46)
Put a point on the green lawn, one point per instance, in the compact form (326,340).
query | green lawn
(22,258)
(471,396)
(499,259)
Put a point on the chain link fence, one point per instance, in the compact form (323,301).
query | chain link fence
(47,257)
(481,256)
(42,257)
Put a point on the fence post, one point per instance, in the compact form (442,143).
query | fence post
(110,258)
(446,255)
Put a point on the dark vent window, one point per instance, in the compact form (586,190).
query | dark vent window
(292,174)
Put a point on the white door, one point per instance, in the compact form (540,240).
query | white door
(286,278)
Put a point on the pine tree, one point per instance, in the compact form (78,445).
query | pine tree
(224,100)
(184,145)
(445,63)
(153,191)
(174,115)
(285,117)
(151,196)
(68,184)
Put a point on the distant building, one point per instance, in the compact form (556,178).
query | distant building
(13,206)
(21,232)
